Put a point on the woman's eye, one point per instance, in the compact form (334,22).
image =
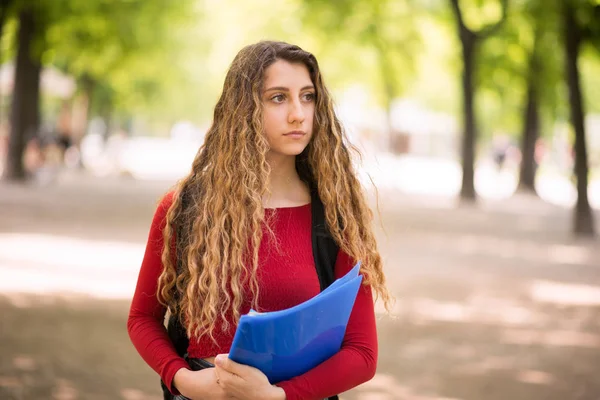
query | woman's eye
(309,97)
(278,98)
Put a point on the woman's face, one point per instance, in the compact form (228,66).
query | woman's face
(288,107)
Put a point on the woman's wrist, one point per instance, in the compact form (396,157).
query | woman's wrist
(180,379)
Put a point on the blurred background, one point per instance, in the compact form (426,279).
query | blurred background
(479,124)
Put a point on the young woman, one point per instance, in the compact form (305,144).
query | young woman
(243,221)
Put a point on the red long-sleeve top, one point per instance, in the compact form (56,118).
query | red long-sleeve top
(287,277)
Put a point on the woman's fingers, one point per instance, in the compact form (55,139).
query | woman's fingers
(231,366)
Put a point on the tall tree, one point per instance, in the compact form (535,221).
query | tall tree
(25,108)
(470,39)
(543,75)
(531,124)
(576,31)
(531,111)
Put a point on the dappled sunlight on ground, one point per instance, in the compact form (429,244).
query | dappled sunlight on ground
(135,394)
(535,377)
(551,338)
(502,247)
(481,310)
(384,386)
(565,294)
(38,263)
(65,390)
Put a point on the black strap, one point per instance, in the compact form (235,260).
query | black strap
(325,252)
(324,248)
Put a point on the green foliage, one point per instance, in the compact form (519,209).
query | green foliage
(526,48)
(590,76)
(127,50)
(478,14)
(381,35)
(437,65)
(7,42)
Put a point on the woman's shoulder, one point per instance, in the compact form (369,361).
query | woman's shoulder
(165,202)
(167,198)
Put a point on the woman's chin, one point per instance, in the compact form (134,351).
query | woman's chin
(288,150)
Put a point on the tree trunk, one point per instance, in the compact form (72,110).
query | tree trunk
(583,218)
(469,41)
(531,129)
(25,102)
(467,191)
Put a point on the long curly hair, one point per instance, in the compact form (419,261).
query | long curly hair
(221,225)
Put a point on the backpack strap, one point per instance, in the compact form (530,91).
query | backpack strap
(324,248)
(177,333)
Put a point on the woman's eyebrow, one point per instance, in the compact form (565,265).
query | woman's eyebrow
(284,89)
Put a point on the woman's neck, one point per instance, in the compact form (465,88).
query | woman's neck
(285,186)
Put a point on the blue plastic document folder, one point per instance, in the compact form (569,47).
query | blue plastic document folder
(287,343)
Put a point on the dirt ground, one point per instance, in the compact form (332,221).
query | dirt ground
(494,302)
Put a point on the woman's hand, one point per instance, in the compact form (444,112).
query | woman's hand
(244,382)
(199,384)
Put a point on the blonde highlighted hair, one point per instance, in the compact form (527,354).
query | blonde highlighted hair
(220,228)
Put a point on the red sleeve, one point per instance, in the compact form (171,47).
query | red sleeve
(146,316)
(356,361)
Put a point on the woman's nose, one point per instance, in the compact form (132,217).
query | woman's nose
(296,113)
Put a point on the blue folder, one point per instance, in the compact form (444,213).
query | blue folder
(287,343)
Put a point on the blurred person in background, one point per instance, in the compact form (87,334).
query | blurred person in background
(500,150)
(63,129)
(235,234)
(34,156)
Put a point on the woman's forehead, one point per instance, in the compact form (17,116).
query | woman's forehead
(283,74)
